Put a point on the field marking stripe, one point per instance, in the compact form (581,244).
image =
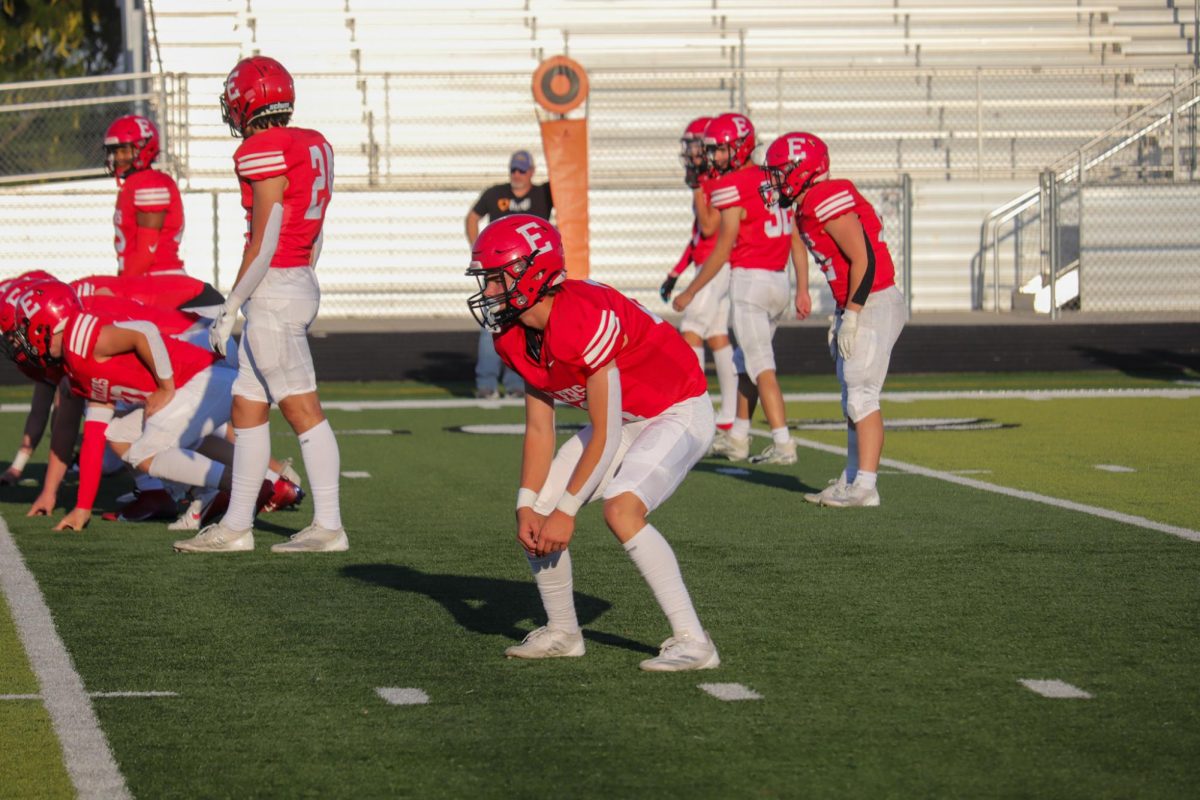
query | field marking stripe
(88,759)
(1069,505)
(791,397)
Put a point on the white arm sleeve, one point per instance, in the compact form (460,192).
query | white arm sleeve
(570,503)
(257,270)
(158,349)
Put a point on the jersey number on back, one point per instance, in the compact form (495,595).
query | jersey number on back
(322,163)
(778,225)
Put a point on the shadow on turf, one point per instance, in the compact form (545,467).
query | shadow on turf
(775,480)
(1168,365)
(490,606)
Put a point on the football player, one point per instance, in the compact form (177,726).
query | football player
(587,345)
(279,168)
(843,233)
(755,239)
(705,320)
(149,215)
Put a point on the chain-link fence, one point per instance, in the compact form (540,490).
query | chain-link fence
(55,129)
(1115,222)
(390,254)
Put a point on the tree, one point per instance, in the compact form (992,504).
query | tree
(45,39)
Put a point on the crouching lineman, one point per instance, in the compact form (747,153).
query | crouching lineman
(843,233)
(647,401)
(175,393)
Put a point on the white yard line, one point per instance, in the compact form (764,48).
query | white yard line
(1069,505)
(397,696)
(88,759)
(729,691)
(1055,689)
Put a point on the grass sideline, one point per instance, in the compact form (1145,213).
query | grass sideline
(886,643)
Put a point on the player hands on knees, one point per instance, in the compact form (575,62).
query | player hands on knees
(607,355)
(843,232)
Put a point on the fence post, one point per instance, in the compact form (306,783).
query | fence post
(979,123)
(387,122)
(216,239)
(1052,216)
(1176,175)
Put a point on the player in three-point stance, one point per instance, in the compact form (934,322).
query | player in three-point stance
(843,232)
(588,345)
(276,289)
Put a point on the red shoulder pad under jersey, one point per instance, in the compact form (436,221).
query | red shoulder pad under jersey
(169,321)
(737,188)
(831,199)
(263,155)
(151,190)
(588,331)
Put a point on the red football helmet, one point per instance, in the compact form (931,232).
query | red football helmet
(734,131)
(12,289)
(43,310)
(793,162)
(137,132)
(523,255)
(257,87)
(691,144)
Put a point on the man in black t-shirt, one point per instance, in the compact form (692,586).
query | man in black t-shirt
(518,196)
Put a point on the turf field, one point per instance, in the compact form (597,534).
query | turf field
(880,652)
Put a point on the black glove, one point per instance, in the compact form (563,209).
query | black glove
(691,176)
(667,287)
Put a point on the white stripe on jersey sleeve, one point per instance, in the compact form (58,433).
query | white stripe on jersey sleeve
(256,163)
(833,204)
(81,333)
(604,340)
(724,196)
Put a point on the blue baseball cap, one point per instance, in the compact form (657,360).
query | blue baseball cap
(521,160)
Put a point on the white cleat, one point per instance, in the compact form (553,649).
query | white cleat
(315,539)
(777,454)
(678,654)
(852,496)
(289,472)
(818,498)
(189,520)
(727,446)
(546,642)
(217,539)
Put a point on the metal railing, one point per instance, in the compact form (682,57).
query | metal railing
(1156,146)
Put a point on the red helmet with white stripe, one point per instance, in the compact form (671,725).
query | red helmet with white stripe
(138,133)
(516,260)
(734,131)
(257,87)
(44,310)
(793,162)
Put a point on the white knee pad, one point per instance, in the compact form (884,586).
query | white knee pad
(860,402)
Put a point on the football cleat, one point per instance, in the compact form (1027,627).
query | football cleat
(289,472)
(852,496)
(314,539)
(728,446)
(546,642)
(284,494)
(776,454)
(834,485)
(147,505)
(189,520)
(683,653)
(217,539)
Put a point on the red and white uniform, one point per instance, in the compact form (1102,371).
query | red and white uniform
(828,200)
(306,158)
(708,313)
(160,290)
(764,238)
(759,291)
(122,378)
(274,357)
(592,325)
(149,191)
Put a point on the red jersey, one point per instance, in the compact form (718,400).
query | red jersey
(149,191)
(592,325)
(307,160)
(831,199)
(163,291)
(764,237)
(124,377)
(168,321)
(702,246)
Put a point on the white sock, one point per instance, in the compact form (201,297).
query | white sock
(552,574)
(699,351)
(656,561)
(780,435)
(322,462)
(187,467)
(851,455)
(727,381)
(740,428)
(251,454)
(146,483)
(865,480)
